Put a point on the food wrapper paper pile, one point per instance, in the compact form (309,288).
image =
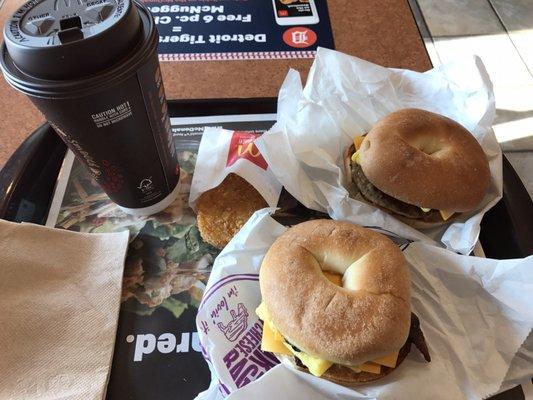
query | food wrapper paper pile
(475,314)
(343,98)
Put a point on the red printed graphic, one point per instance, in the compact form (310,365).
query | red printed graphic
(299,37)
(283,13)
(111,179)
(242,146)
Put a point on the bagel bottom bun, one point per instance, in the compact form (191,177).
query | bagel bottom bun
(348,377)
(360,188)
(336,302)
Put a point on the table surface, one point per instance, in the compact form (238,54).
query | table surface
(381,31)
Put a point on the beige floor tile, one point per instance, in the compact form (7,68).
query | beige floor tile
(523,40)
(498,53)
(460,28)
(513,124)
(517,18)
(432,52)
(460,17)
(424,31)
(514,14)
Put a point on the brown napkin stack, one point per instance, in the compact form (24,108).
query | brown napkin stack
(59,303)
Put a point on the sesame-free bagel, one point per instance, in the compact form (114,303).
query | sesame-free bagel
(426,160)
(367,318)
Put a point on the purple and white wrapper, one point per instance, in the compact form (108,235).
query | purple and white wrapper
(344,97)
(475,314)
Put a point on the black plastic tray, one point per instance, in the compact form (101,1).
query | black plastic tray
(28,179)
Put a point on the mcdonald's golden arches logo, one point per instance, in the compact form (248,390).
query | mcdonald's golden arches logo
(242,146)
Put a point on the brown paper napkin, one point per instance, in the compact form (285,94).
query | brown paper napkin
(59,303)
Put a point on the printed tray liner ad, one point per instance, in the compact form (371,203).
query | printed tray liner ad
(193,30)
(157,352)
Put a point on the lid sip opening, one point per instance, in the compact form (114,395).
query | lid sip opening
(64,39)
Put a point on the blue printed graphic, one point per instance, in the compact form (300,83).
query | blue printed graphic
(240,29)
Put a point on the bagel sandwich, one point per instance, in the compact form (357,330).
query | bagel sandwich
(423,168)
(336,302)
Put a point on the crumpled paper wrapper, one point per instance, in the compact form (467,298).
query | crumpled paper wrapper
(223,152)
(59,310)
(475,314)
(344,97)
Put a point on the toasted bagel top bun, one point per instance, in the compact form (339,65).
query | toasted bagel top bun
(369,317)
(426,160)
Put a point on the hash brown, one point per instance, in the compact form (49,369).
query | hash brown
(223,210)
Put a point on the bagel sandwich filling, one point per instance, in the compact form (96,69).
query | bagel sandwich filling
(274,342)
(348,317)
(419,166)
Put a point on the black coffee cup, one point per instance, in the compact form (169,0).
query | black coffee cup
(91,67)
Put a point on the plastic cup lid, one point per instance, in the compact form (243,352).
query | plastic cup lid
(61,39)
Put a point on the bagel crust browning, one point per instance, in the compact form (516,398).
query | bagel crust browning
(343,326)
(426,160)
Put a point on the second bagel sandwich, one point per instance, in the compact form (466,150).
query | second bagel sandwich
(336,302)
(421,167)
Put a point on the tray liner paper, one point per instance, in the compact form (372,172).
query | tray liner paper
(475,314)
(344,97)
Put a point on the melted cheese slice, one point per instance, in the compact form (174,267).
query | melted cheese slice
(444,214)
(357,144)
(387,361)
(367,367)
(355,157)
(357,140)
(270,343)
(274,342)
(264,315)
(316,366)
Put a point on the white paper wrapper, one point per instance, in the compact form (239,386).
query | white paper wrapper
(475,314)
(228,328)
(223,152)
(344,97)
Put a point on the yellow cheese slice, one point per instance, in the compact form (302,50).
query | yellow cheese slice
(316,366)
(367,367)
(387,361)
(264,315)
(269,342)
(262,312)
(357,140)
(334,278)
(274,342)
(446,214)
(355,157)
(370,367)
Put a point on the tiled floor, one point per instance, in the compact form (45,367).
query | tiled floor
(501,33)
